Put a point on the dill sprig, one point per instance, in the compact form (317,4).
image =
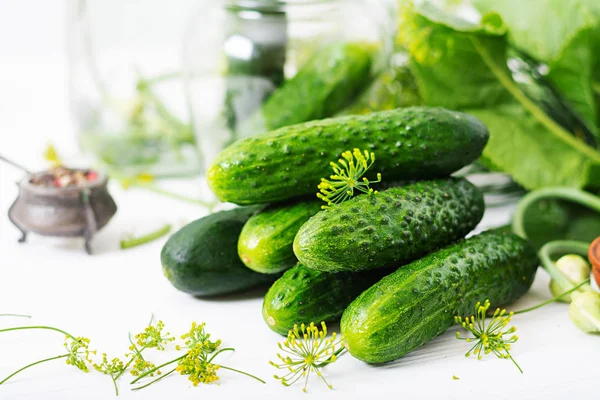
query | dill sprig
(306,350)
(491,338)
(197,362)
(151,338)
(78,353)
(346,178)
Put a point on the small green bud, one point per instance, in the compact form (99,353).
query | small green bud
(576,269)
(585,311)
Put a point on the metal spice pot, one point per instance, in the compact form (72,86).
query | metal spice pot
(73,211)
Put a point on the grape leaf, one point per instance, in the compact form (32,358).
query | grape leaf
(521,146)
(561,34)
(462,66)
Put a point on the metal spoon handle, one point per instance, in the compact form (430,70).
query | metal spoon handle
(14,164)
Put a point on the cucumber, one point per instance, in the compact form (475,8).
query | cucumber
(201,259)
(410,143)
(303,295)
(418,302)
(265,244)
(327,83)
(391,227)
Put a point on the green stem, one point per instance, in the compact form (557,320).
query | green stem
(219,352)
(15,315)
(562,193)
(554,299)
(336,354)
(137,241)
(529,105)
(514,362)
(20,328)
(145,374)
(114,380)
(153,188)
(155,380)
(562,247)
(31,365)
(243,373)
(127,182)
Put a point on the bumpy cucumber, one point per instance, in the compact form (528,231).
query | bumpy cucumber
(411,306)
(265,244)
(391,227)
(201,258)
(410,143)
(327,83)
(303,295)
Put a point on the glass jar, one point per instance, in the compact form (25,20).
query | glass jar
(256,65)
(126,84)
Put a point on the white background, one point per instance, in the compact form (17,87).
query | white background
(115,292)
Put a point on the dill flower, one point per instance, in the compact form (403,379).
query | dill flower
(346,178)
(307,350)
(491,338)
(152,337)
(78,352)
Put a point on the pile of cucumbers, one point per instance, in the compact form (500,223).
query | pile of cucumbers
(394,265)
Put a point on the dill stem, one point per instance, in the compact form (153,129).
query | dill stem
(337,353)
(19,328)
(114,380)
(15,315)
(138,241)
(31,365)
(243,373)
(554,299)
(145,374)
(155,380)
(155,189)
(219,352)
(514,362)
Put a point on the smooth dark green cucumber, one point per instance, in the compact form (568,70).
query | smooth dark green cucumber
(265,244)
(201,259)
(410,143)
(303,295)
(390,228)
(418,302)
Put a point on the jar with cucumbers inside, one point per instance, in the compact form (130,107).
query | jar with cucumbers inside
(256,66)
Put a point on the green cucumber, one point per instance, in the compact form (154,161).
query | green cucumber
(201,259)
(418,302)
(327,83)
(410,143)
(390,228)
(303,295)
(265,244)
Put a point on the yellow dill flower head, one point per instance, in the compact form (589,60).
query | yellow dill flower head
(307,349)
(79,352)
(491,338)
(153,337)
(112,367)
(347,177)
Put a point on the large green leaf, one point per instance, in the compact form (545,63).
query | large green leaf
(463,66)
(448,70)
(521,146)
(563,35)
